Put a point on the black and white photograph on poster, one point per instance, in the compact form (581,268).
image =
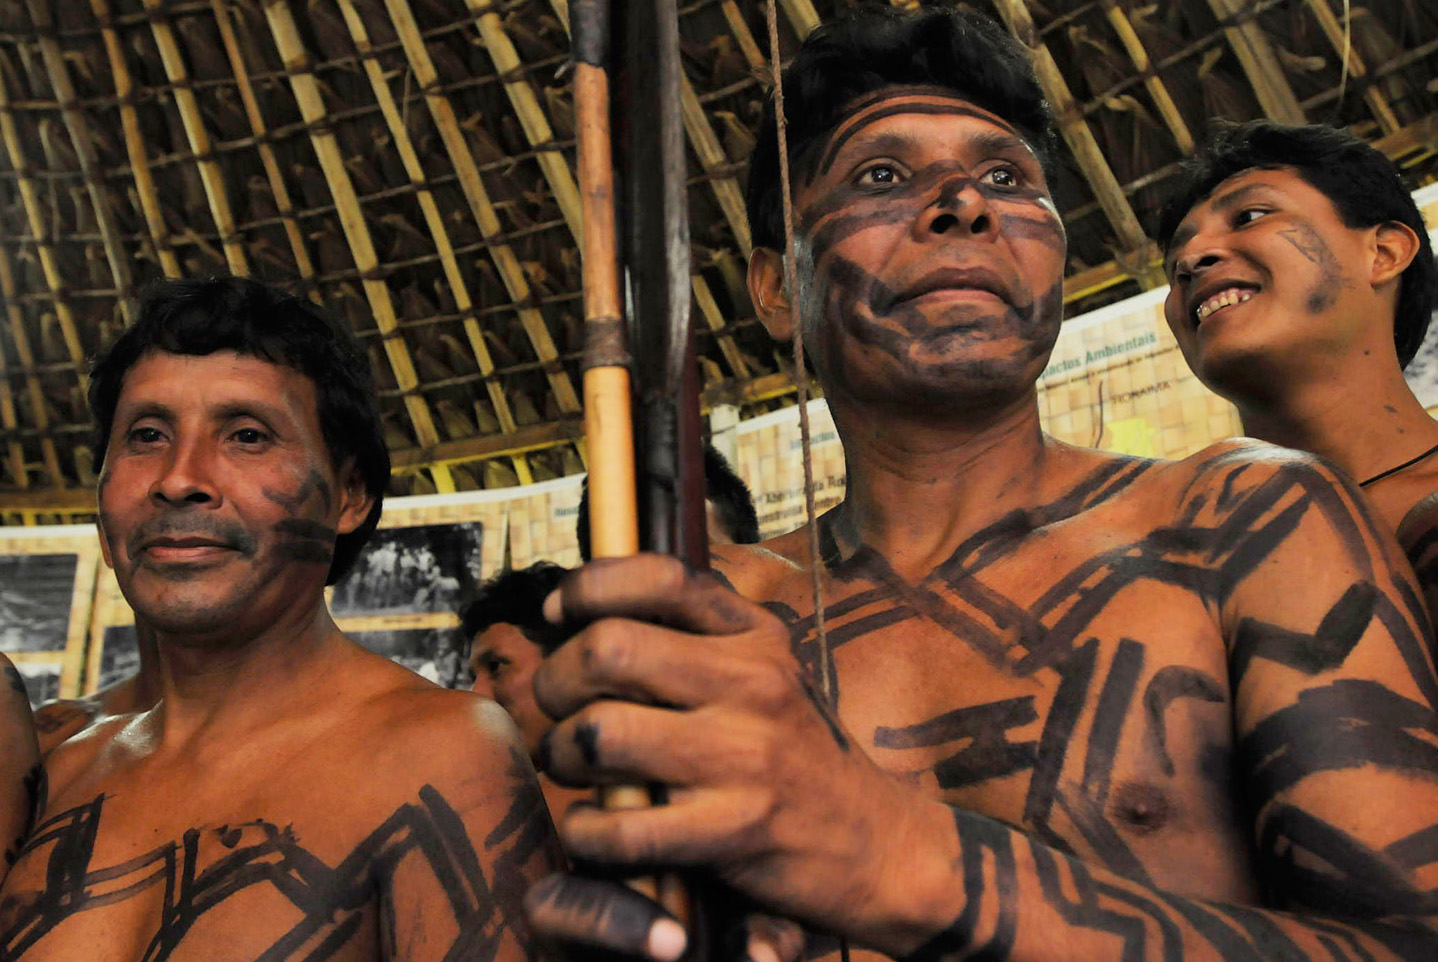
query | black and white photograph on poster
(119,655)
(427,568)
(1422,372)
(42,681)
(432,653)
(35,595)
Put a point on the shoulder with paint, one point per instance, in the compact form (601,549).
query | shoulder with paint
(755,570)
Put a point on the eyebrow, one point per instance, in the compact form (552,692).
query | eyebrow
(843,136)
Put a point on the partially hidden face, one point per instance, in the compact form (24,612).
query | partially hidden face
(1262,270)
(503,662)
(931,254)
(219,505)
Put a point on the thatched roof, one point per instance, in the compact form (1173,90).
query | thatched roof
(410,164)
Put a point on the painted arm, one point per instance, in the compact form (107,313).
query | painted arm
(22,778)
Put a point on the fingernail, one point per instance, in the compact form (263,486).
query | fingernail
(761,951)
(553,608)
(667,941)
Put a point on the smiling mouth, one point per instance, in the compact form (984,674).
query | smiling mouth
(1228,297)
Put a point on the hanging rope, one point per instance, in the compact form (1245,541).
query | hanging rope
(801,375)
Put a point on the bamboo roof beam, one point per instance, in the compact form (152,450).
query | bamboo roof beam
(210,174)
(14,450)
(430,210)
(731,199)
(59,77)
(1081,141)
(1333,30)
(1157,90)
(135,142)
(258,127)
(35,215)
(532,119)
(33,390)
(510,270)
(802,16)
(739,27)
(1260,64)
(352,222)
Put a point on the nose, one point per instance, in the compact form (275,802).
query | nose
(958,207)
(1195,262)
(185,477)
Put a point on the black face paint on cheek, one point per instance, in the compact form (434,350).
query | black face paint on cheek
(304,539)
(1330,274)
(1043,230)
(308,542)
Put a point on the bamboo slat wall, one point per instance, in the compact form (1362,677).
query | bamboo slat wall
(410,164)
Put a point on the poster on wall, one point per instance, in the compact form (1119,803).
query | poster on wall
(1117,381)
(424,568)
(47,581)
(770,453)
(542,523)
(1422,372)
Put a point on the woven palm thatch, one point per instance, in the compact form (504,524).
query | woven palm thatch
(409,163)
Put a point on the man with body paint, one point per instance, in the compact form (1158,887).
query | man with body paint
(1301,284)
(1079,706)
(289,795)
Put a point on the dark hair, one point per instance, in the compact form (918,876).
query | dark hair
(203,315)
(722,486)
(1363,185)
(516,598)
(873,47)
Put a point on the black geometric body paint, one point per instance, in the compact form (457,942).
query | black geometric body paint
(1228,528)
(211,864)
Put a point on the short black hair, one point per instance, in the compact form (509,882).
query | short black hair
(1363,185)
(199,316)
(516,598)
(876,46)
(722,486)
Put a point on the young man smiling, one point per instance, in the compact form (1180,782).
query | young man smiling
(1068,705)
(290,795)
(1302,282)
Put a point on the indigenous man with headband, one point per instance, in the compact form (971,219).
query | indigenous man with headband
(289,795)
(1302,282)
(1067,705)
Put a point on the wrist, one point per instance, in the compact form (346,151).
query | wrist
(917,895)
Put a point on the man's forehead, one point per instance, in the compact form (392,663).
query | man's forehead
(875,107)
(209,377)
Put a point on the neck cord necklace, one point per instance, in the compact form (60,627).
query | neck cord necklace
(1406,464)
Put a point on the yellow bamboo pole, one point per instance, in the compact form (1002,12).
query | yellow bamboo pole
(35,215)
(1256,57)
(1082,143)
(430,209)
(532,119)
(135,142)
(271,164)
(14,450)
(84,148)
(1157,90)
(352,222)
(199,138)
(33,390)
(1333,30)
(511,272)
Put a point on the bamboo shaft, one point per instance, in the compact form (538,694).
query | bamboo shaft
(429,208)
